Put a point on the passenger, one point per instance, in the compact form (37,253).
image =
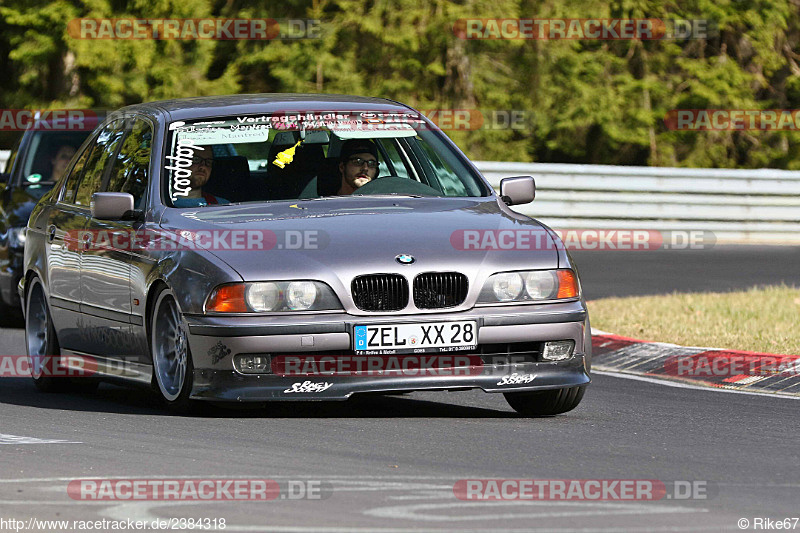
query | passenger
(60,160)
(202,163)
(358,164)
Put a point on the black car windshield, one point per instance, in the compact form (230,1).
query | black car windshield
(48,156)
(299,156)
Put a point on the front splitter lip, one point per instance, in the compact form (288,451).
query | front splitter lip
(220,385)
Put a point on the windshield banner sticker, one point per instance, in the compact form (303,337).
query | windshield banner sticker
(181,161)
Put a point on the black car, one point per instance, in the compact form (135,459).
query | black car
(34,166)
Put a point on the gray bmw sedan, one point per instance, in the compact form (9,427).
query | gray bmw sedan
(296,247)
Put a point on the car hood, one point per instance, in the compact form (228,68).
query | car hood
(339,238)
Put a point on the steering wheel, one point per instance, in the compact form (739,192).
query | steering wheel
(396,184)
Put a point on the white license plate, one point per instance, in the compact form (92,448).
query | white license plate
(415,338)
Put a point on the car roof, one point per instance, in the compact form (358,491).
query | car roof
(245,104)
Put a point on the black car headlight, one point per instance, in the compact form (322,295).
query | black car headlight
(272,297)
(529,286)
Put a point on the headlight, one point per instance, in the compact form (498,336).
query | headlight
(272,296)
(300,295)
(506,287)
(263,296)
(538,285)
(541,284)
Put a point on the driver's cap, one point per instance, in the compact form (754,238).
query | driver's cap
(357,146)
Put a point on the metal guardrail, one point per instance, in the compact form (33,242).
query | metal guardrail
(759,206)
(736,205)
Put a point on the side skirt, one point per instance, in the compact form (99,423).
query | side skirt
(81,364)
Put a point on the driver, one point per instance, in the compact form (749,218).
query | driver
(60,160)
(358,164)
(202,163)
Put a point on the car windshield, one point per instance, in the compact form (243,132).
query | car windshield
(304,156)
(48,156)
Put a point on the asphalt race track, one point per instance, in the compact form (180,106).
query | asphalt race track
(390,463)
(719,269)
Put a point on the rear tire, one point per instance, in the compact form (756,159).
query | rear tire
(172,360)
(547,402)
(44,354)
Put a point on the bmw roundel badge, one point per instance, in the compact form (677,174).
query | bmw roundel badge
(405,259)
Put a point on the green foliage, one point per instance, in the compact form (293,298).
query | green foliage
(585,101)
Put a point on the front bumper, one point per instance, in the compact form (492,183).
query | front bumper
(231,386)
(216,341)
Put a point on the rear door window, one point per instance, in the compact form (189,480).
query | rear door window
(69,188)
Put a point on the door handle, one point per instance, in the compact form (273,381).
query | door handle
(51,232)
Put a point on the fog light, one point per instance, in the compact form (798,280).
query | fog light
(253,363)
(558,350)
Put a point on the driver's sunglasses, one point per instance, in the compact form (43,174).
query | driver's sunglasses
(357,161)
(203,161)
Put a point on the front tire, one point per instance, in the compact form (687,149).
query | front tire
(547,402)
(169,347)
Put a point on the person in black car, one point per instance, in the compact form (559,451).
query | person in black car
(60,160)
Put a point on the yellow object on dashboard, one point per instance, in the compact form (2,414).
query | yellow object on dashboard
(286,157)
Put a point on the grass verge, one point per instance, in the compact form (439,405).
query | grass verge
(760,319)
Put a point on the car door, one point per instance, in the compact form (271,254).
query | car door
(64,222)
(107,263)
(103,321)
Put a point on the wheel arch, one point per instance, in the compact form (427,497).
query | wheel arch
(29,275)
(152,293)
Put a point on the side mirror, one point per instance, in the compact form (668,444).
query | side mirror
(518,190)
(4,177)
(112,206)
